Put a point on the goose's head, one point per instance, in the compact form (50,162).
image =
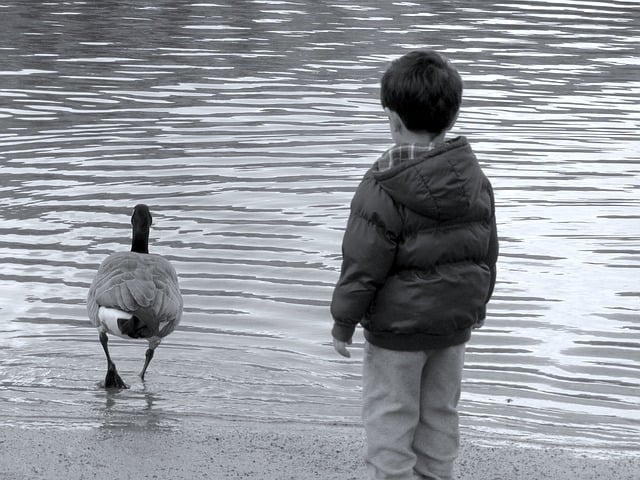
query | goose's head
(141,216)
(141,221)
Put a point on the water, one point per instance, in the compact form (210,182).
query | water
(246,126)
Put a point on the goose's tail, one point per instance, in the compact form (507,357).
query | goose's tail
(123,324)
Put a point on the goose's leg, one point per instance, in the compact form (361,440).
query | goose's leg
(148,356)
(112,379)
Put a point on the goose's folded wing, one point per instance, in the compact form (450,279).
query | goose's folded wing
(145,284)
(168,302)
(128,295)
(122,282)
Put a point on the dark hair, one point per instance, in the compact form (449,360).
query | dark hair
(424,89)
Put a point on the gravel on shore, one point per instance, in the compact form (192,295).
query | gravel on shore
(225,449)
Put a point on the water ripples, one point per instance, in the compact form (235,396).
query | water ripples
(247,126)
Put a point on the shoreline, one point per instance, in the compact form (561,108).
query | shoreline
(234,449)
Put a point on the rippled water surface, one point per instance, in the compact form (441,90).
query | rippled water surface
(246,126)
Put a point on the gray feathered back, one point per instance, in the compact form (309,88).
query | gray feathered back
(144,285)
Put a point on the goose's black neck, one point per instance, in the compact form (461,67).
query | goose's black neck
(141,223)
(140,240)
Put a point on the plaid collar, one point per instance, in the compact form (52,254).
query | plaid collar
(402,153)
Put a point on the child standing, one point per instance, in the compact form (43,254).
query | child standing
(419,266)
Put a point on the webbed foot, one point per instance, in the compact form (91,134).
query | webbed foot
(113,380)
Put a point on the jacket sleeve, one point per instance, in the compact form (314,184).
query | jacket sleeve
(492,254)
(368,253)
(493,258)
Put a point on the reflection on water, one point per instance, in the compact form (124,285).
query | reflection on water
(246,126)
(133,410)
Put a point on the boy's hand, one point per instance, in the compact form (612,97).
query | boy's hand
(341,347)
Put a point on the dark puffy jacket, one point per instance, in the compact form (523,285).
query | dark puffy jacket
(419,252)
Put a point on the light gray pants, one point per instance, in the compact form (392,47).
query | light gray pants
(410,412)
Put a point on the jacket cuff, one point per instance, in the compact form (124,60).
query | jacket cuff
(481,318)
(342,332)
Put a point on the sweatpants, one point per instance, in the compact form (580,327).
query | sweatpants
(410,412)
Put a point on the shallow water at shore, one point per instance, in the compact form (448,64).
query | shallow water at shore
(246,127)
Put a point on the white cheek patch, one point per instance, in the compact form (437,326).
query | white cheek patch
(109,319)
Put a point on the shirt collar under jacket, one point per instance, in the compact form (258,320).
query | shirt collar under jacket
(401,153)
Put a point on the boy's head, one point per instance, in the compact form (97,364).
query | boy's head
(424,90)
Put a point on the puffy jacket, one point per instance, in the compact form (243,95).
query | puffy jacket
(420,249)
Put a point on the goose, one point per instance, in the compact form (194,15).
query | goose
(134,295)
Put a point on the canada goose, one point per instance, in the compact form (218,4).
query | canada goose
(134,295)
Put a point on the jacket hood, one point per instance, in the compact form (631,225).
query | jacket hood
(439,183)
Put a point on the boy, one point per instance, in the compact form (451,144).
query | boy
(419,266)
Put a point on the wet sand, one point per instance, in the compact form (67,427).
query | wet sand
(233,450)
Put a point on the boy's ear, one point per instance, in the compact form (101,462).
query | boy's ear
(395,122)
(453,122)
